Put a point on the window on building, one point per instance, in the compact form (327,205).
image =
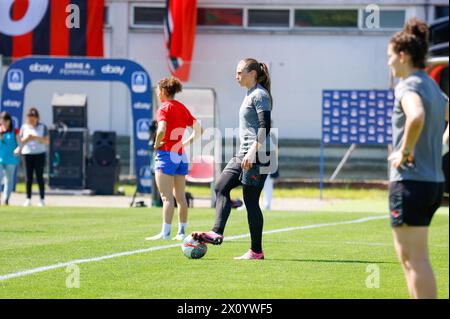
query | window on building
(106,16)
(220,17)
(389,19)
(148,16)
(268,18)
(326,18)
(440,12)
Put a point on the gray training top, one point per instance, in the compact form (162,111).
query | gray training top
(256,100)
(428,150)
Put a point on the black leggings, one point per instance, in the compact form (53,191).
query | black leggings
(228,180)
(35,163)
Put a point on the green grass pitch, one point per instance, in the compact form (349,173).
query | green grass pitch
(323,261)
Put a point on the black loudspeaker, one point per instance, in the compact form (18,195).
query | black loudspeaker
(67,162)
(103,180)
(104,165)
(104,148)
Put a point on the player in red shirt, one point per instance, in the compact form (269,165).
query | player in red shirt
(171,163)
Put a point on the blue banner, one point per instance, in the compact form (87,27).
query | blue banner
(357,117)
(134,76)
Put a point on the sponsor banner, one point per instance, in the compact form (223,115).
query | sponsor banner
(139,82)
(357,116)
(15,80)
(22,72)
(142,106)
(51,28)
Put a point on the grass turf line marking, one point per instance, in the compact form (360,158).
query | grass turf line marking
(146,250)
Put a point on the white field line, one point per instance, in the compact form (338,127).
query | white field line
(146,250)
(360,243)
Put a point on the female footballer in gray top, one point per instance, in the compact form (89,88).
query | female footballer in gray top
(415,188)
(427,166)
(244,168)
(256,102)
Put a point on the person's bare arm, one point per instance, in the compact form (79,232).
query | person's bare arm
(43,140)
(24,140)
(160,133)
(415,119)
(19,146)
(445,137)
(197,131)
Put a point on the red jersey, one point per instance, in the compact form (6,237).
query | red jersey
(178,117)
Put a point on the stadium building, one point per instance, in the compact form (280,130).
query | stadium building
(309,46)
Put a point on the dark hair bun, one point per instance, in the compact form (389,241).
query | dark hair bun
(413,40)
(417,28)
(171,85)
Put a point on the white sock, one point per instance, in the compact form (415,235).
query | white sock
(166,228)
(181,228)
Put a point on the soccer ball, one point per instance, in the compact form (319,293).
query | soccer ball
(193,249)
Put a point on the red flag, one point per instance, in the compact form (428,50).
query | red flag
(40,27)
(179,27)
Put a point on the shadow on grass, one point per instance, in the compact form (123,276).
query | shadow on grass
(22,231)
(338,261)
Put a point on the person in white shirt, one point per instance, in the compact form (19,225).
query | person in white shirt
(34,138)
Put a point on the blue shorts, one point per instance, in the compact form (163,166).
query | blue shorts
(171,163)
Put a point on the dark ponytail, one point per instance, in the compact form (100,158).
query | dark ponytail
(262,75)
(264,80)
(413,40)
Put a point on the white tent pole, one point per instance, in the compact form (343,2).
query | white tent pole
(343,161)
